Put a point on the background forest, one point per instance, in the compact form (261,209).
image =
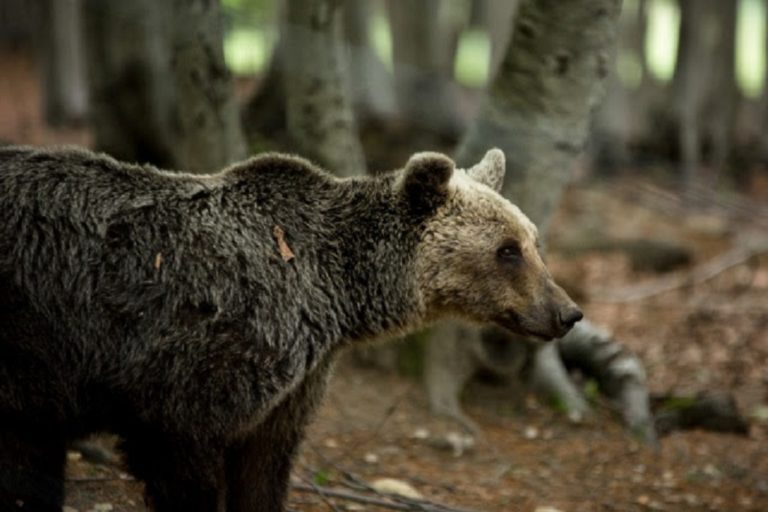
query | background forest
(636,138)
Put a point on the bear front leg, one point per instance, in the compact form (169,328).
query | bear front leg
(259,466)
(179,475)
(31,468)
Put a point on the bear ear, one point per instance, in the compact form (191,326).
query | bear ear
(490,171)
(425,179)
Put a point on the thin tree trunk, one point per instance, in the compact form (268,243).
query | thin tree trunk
(725,91)
(65,96)
(690,74)
(499,17)
(319,113)
(130,87)
(264,113)
(159,87)
(370,83)
(423,69)
(208,134)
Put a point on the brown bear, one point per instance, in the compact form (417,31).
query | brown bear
(198,317)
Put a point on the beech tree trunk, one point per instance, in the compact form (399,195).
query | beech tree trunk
(319,112)
(423,67)
(690,74)
(160,90)
(208,133)
(370,83)
(538,110)
(264,115)
(63,57)
(498,17)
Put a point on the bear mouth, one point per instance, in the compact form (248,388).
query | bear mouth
(513,322)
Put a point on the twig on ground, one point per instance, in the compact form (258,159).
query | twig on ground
(698,275)
(383,501)
(320,491)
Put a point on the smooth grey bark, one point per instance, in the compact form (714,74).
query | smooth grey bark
(130,90)
(690,73)
(538,110)
(208,133)
(498,17)
(423,65)
(264,115)
(725,94)
(370,83)
(160,91)
(624,115)
(65,89)
(320,118)
(705,89)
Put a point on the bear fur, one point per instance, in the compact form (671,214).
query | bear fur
(198,316)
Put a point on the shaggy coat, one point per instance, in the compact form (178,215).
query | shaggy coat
(194,316)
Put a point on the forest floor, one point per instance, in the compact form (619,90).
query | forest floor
(700,335)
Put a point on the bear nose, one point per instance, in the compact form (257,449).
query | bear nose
(568,317)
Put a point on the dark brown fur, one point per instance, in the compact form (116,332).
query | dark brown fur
(158,306)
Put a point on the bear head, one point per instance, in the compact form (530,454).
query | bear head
(479,254)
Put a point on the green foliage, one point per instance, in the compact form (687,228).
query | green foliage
(591,390)
(381,38)
(247,51)
(558,404)
(321,477)
(678,403)
(750,47)
(473,58)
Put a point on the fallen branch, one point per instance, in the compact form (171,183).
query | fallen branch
(320,491)
(699,275)
(402,503)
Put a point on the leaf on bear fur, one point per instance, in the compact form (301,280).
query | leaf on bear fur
(285,251)
(158,260)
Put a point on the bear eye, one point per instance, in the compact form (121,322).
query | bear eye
(509,252)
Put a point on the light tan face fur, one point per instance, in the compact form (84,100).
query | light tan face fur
(480,261)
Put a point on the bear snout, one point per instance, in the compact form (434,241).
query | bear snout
(567,317)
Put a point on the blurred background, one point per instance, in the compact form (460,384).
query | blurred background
(636,138)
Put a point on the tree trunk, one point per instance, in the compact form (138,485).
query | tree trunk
(538,107)
(208,134)
(319,114)
(63,60)
(159,87)
(423,68)
(538,111)
(690,74)
(725,93)
(130,87)
(498,17)
(264,115)
(370,83)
